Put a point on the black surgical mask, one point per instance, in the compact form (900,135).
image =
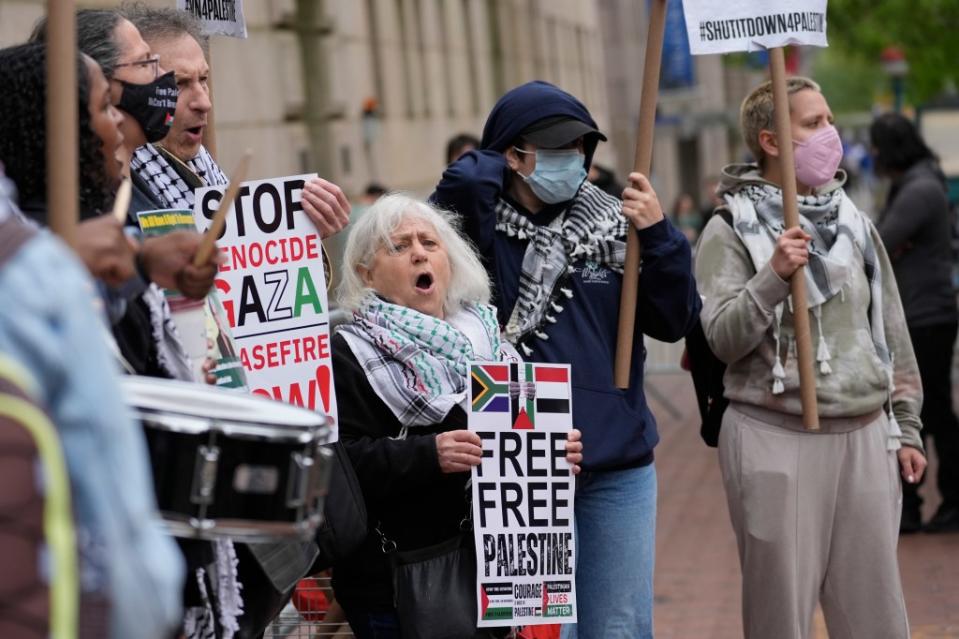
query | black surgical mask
(152,105)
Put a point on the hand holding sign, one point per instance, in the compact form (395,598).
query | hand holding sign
(458,451)
(326,206)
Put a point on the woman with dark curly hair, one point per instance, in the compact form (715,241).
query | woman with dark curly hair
(23,141)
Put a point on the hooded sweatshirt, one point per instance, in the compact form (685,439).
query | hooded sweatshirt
(619,431)
(739,321)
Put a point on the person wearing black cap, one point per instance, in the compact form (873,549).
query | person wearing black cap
(554,246)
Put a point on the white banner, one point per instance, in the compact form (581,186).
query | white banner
(217,17)
(273,288)
(750,25)
(523,494)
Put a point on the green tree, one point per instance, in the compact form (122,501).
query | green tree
(925,30)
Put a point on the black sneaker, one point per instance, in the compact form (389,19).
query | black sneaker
(911,522)
(946,519)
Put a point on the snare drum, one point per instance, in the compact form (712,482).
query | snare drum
(232,465)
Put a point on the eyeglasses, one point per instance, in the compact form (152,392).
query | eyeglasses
(143,64)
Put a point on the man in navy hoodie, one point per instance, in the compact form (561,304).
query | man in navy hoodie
(554,246)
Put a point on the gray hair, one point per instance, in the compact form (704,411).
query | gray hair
(164,23)
(96,36)
(468,279)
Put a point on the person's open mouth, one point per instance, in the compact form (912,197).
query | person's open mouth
(424,283)
(196,132)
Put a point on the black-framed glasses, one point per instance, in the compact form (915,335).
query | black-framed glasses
(143,64)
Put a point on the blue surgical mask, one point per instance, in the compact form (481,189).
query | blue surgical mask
(558,174)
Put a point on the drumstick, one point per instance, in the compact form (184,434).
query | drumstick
(219,219)
(122,202)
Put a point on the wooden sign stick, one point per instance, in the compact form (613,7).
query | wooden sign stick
(642,164)
(62,138)
(121,204)
(219,219)
(797,284)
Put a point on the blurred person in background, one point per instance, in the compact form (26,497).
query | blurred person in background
(460,144)
(686,217)
(916,228)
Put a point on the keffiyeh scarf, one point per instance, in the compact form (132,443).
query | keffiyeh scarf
(839,232)
(169,186)
(417,363)
(593,228)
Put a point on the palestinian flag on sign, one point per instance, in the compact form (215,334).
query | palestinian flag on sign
(543,388)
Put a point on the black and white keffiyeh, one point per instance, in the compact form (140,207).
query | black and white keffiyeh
(593,228)
(416,363)
(168,185)
(839,231)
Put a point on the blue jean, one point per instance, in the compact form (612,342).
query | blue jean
(615,548)
(374,625)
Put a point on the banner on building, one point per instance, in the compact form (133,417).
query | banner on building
(676,69)
(217,17)
(523,494)
(273,287)
(749,25)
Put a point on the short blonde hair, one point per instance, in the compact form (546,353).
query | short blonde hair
(468,279)
(757,112)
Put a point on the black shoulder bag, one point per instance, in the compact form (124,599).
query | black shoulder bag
(434,588)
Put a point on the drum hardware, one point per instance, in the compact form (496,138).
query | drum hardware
(232,465)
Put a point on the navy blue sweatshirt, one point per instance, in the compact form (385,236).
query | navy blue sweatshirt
(619,431)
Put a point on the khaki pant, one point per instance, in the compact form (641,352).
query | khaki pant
(816,517)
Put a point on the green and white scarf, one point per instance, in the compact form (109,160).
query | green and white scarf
(416,363)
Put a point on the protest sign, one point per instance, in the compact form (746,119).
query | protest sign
(217,17)
(749,25)
(201,324)
(523,494)
(273,288)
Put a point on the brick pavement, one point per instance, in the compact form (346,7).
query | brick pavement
(697,570)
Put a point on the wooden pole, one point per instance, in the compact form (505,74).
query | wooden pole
(219,218)
(797,284)
(642,163)
(62,119)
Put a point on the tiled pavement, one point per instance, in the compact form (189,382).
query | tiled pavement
(697,571)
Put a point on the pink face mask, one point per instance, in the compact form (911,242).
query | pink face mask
(817,159)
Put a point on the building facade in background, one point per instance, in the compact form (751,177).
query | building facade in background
(370,90)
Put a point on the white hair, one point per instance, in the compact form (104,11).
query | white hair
(468,279)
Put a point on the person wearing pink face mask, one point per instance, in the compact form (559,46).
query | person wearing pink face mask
(816,513)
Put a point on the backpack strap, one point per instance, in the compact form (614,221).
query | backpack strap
(35,520)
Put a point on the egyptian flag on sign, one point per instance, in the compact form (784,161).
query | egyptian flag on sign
(542,389)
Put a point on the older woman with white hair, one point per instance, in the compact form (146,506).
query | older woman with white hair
(419,297)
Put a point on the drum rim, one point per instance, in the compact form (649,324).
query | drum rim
(138,396)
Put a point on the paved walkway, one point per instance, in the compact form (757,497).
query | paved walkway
(697,571)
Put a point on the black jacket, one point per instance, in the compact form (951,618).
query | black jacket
(916,228)
(412,501)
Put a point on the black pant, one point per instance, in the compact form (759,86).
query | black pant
(934,346)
